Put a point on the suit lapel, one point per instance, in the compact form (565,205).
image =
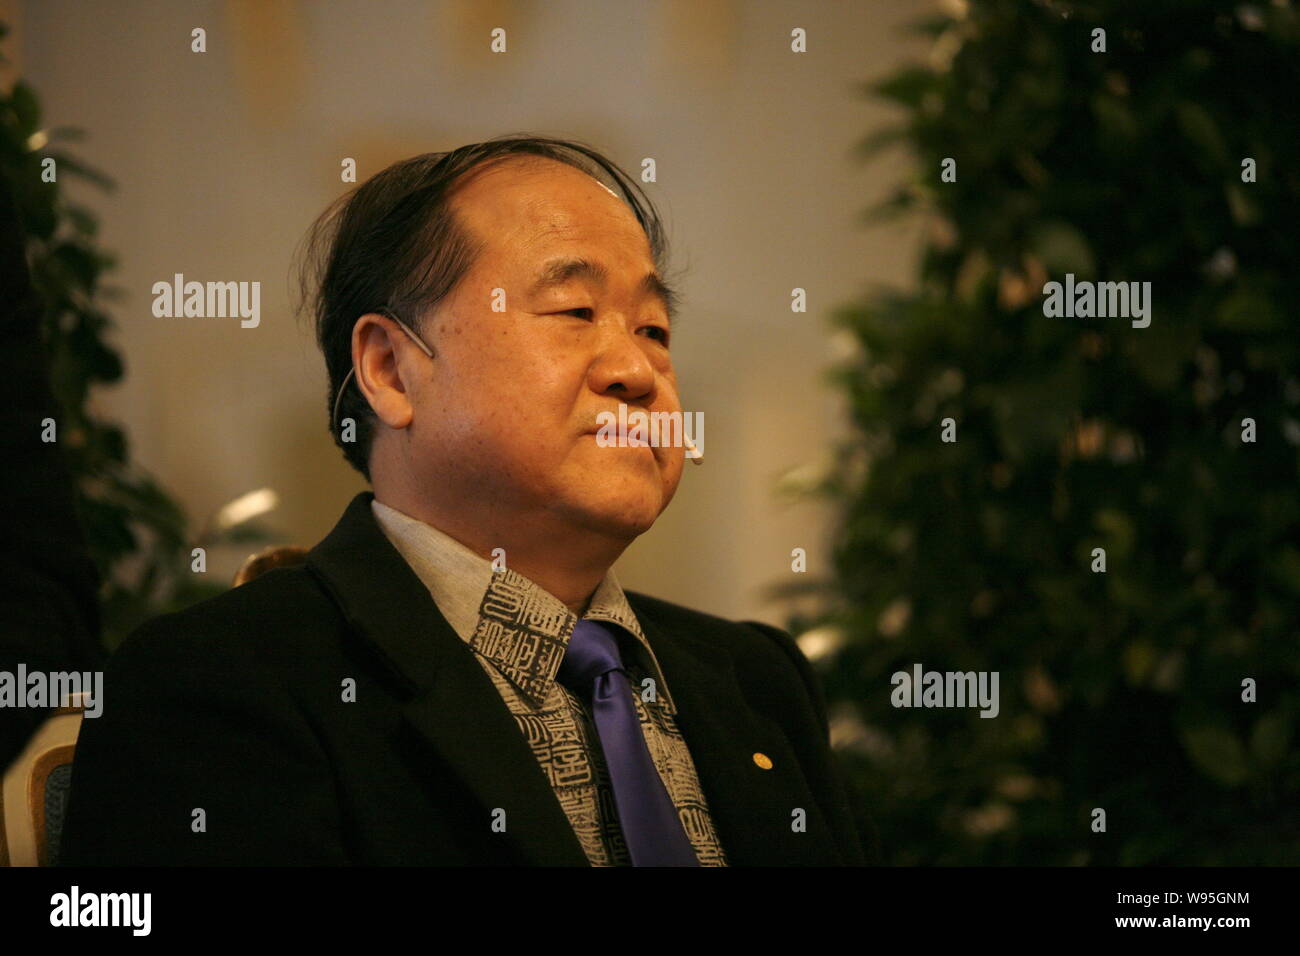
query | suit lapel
(448,700)
(752,807)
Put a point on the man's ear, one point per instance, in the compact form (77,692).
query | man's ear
(378,344)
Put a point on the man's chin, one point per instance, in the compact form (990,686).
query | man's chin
(616,519)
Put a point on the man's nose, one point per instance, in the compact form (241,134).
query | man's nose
(621,365)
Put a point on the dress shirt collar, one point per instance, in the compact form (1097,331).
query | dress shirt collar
(505,617)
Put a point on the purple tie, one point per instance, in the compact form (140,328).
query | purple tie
(593,669)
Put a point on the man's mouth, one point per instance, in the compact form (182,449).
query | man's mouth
(632,437)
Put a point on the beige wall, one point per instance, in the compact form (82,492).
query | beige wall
(224,158)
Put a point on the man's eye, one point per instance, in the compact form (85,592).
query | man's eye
(660,333)
(577,313)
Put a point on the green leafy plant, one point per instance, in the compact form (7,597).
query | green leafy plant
(1120,690)
(137,534)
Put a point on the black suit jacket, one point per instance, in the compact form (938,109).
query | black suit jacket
(234,707)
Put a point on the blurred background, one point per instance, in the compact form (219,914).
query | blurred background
(223,159)
(1163,152)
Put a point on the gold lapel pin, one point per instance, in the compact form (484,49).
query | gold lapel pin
(763,760)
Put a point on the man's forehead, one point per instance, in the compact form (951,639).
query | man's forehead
(552,207)
(546,235)
(546,192)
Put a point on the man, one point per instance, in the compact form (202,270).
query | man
(455,676)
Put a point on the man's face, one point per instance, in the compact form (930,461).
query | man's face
(506,420)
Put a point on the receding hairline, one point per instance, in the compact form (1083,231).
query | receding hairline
(527,161)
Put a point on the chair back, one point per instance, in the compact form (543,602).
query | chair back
(276,557)
(34,792)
